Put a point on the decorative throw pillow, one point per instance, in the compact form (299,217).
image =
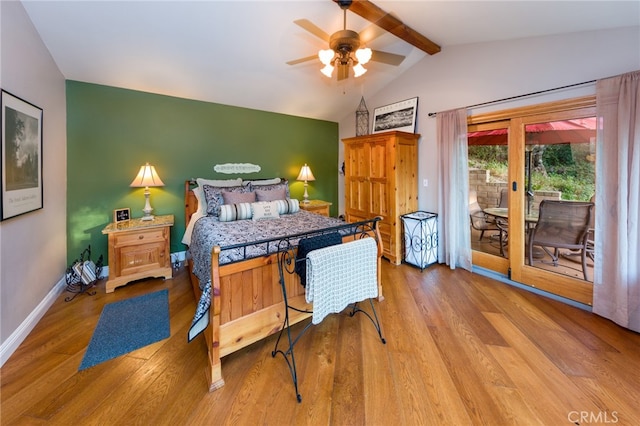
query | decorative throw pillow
(213,196)
(231,212)
(262,182)
(276,186)
(238,197)
(288,206)
(199,193)
(264,210)
(272,195)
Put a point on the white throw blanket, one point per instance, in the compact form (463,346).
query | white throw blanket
(340,275)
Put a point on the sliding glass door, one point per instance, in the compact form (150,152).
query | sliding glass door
(550,153)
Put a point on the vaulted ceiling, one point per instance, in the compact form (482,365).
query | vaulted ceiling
(235,52)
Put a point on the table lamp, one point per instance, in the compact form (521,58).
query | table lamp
(306,175)
(147,176)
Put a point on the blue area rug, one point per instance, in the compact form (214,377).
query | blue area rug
(128,325)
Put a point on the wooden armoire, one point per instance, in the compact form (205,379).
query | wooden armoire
(381,179)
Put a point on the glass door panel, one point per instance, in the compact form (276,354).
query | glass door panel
(560,165)
(557,178)
(488,179)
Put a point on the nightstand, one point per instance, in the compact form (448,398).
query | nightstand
(316,206)
(138,249)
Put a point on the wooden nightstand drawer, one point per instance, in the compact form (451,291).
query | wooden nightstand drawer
(138,249)
(141,237)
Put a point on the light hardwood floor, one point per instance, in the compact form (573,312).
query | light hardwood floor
(461,349)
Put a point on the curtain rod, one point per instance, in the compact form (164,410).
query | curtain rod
(433,114)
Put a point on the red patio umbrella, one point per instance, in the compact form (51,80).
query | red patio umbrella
(580,130)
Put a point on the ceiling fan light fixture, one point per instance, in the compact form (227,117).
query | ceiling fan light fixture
(363,55)
(327,70)
(358,70)
(326,56)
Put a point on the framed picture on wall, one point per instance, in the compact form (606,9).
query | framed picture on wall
(21,160)
(399,116)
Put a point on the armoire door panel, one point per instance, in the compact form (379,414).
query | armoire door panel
(359,161)
(358,196)
(378,162)
(379,198)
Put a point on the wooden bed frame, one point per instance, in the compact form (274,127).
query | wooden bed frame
(247,303)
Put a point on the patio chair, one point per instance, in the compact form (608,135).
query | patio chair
(590,233)
(503,236)
(562,225)
(504,198)
(480,221)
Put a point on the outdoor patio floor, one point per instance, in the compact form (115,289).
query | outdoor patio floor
(567,265)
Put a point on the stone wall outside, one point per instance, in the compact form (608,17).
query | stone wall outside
(489,192)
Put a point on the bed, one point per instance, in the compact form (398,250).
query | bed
(236,279)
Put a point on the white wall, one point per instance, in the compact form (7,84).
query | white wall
(33,245)
(471,74)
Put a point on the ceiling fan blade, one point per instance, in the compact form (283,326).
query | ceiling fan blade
(374,14)
(343,72)
(370,33)
(312,28)
(386,57)
(301,60)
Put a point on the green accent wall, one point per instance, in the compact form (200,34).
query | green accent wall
(112,132)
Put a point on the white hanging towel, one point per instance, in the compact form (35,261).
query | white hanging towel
(340,275)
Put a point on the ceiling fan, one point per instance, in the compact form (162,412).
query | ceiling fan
(345,49)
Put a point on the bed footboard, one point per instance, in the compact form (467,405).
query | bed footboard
(247,303)
(246,306)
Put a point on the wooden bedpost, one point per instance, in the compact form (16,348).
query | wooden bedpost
(212,333)
(190,202)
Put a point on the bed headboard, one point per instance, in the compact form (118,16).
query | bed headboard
(191,202)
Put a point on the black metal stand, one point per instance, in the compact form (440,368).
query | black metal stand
(286,262)
(286,265)
(420,238)
(76,275)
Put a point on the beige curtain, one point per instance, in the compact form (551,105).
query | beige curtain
(454,233)
(616,293)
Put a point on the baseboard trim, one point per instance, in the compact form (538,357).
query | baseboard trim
(10,345)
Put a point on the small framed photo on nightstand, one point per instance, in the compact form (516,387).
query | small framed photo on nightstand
(121,215)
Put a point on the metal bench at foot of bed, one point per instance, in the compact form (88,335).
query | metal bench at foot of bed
(337,276)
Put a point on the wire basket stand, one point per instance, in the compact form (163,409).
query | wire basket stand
(81,276)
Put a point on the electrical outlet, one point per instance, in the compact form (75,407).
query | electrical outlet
(425,182)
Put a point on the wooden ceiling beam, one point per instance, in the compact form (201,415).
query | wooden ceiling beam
(384,20)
